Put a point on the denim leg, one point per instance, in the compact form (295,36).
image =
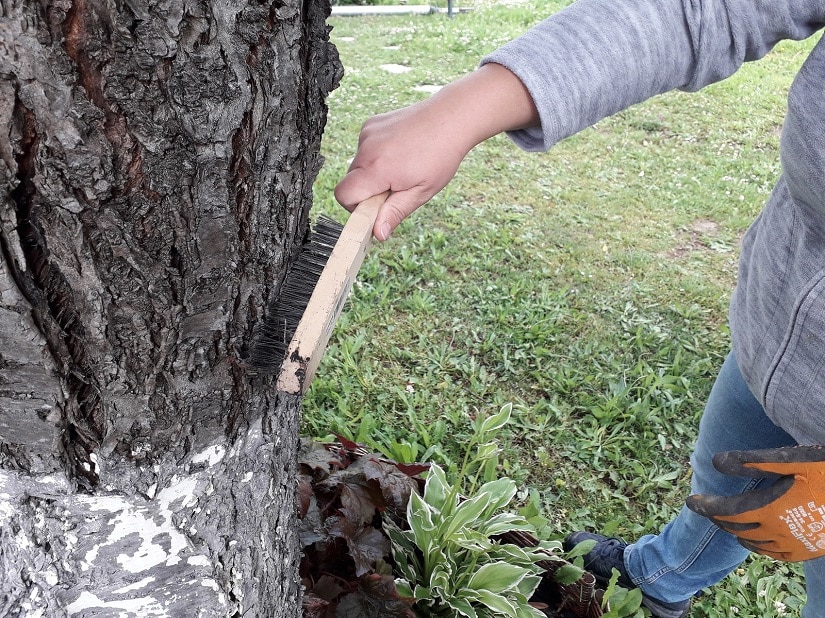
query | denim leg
(691,553)
(815,587)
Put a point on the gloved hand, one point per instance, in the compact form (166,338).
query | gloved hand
(786,520)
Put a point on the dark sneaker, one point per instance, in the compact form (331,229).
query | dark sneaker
(608,554)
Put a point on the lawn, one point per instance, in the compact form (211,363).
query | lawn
(587,286)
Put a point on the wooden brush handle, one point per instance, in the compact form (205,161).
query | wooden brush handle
(313,332)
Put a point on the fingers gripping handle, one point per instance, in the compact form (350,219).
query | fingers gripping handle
(315,328)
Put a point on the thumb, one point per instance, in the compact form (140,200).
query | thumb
(742,463)
(357,186)
(397,208)
(713,506)
(807,460)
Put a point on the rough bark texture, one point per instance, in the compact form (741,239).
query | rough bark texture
(156,160)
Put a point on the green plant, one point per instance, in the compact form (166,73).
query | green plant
(450,559)
(620,602)
(617,602)
(759,587)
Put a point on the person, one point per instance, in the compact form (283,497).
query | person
(758,479)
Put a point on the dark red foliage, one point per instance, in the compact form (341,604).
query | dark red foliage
(342,491)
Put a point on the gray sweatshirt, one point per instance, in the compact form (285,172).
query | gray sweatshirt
(597,57)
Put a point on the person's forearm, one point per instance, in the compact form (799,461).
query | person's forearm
(484,103)
(597,57)
(413,152)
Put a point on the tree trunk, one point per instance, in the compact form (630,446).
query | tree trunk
(157,159)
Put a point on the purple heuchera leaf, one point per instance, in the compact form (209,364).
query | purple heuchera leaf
(366,544)
(375,598)
(395,485)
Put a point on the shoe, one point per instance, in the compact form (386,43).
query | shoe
(608,554)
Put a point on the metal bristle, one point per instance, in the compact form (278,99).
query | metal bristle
(274,333)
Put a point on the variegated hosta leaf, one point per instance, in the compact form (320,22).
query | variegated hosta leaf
(506,552)
(498,577)
(453,563)
(527,611)
(499,494)
(527,586)
(441,583)
(403,550)
(486,451)
(497,603)
(422,593)
(505,522)
(498,420)
(437,489)
(553,547)
(403,587)
(404,539)
(462,607)
(525,555)
(468,512)
(420,519)
(473,541)
(404,566)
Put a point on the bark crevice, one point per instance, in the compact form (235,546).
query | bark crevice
(50,294)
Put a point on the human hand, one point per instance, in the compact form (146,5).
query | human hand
(412,152)
(786,520)
(415,151)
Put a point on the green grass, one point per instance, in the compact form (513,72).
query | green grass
(588,285)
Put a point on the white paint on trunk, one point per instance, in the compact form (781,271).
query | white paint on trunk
(145,607)
(199,560)
(89,558)
(185,489)
(158,540)
(50,577)
(136,586)
(210,456)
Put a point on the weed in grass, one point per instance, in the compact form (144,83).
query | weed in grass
(760,587)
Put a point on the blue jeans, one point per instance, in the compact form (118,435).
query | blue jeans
(691,553)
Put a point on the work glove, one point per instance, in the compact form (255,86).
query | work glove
(786,520)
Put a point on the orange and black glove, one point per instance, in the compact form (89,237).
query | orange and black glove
(786,520)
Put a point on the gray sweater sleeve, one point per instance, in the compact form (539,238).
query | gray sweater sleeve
(597,57)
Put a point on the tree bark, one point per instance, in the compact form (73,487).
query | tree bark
(157,160)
